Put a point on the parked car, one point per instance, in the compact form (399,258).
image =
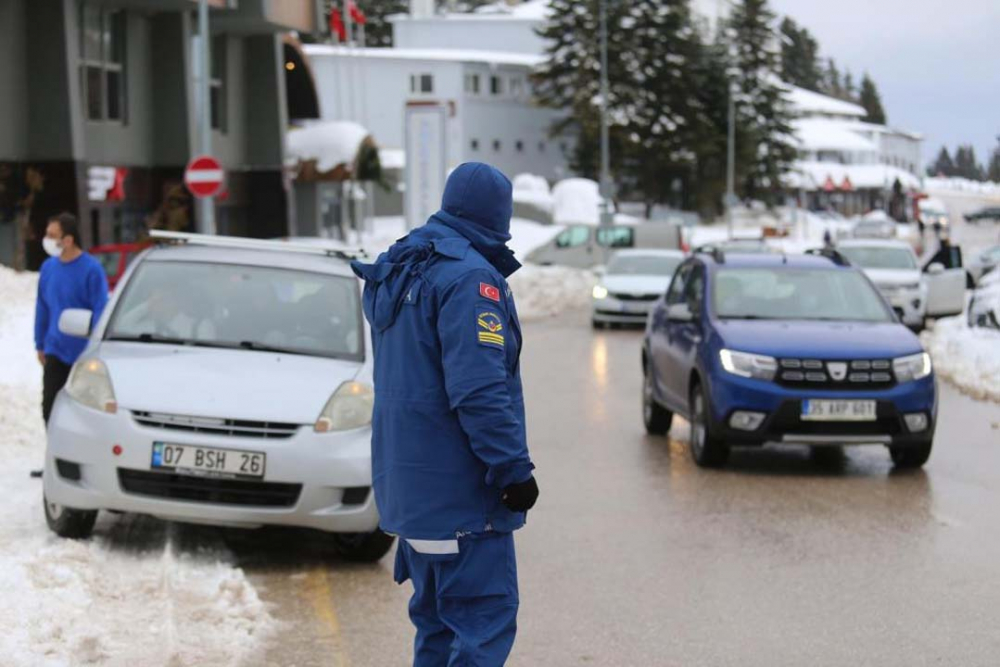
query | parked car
(991,213)
(631,283)
(228,382)
(742,246)
(587,246)
(984,305)
(881,227)
(115,258)
(933,214)
(796,349)
(895,270)
(988,261)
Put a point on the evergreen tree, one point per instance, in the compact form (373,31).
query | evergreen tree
(764,140)
(832,85)
(943,165)
(850,92)
(871,101)
(799,56)
(966,165)
(993,170)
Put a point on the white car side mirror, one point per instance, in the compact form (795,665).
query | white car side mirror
(75,322)
(935,269)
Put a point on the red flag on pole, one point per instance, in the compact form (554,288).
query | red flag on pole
(357,15)
(337,25)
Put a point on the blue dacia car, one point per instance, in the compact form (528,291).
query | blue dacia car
(757,349)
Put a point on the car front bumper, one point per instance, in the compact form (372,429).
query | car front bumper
(782,408)
(619,311)
(324,479)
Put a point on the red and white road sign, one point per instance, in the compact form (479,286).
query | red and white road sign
(204,176)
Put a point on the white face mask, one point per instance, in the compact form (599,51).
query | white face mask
(52,246)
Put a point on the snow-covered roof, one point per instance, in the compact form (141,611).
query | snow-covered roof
(329,143)
(819,134)
(446,55)
(529,10)
(806,102)
(874,128)
(813,175)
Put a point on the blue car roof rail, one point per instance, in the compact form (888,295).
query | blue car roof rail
(833,255)
(715,251)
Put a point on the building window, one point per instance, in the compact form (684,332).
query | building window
(496,145)
(519,146)
(541,146)
(517,87)
(474,144)
(102,63)
(496,85)
(216,84)
(422,83)
(472,84)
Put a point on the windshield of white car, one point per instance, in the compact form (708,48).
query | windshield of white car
(643,265)
(879,257)
(240,307)
(796,294)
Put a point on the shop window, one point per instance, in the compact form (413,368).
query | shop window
(422,83)
(102,63)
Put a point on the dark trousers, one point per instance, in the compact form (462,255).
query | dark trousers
(53,378)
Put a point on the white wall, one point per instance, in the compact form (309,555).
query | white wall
(484,34)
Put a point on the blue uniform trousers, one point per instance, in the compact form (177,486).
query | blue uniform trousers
(464,605)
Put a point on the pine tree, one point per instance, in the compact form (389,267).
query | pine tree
(764,140)
(832,84)
(850,92)
(993,170)
(966,165)
(872,102)
(943,165)
(799,56)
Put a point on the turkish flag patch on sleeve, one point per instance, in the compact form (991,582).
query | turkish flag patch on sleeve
(489,292)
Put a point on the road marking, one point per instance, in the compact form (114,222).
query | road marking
(320,593)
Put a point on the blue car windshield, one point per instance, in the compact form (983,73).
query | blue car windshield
(796,294)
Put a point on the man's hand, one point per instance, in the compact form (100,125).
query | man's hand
(521,497)
(41,357)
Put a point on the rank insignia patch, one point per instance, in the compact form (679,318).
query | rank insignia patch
(489,328)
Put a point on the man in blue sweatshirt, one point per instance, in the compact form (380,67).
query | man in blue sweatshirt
(450,462)
(70,278)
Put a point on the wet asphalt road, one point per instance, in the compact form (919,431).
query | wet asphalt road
(636,557)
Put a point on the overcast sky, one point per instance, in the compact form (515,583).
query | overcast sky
(936,62)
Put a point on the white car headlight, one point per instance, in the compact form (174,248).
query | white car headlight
(600,292)
(749,365)
(913,367)
(349,407)
(90,384)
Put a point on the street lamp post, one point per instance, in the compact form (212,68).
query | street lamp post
(731,160)
(606,218)
(205,205)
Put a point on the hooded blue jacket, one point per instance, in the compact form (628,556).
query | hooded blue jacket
(448,426)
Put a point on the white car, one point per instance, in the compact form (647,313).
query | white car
(984,306)
(895,270)
(987,262)
(631,284)
(228,382)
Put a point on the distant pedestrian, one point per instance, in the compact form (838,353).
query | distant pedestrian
(70,278)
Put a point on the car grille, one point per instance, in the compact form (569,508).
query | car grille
(233,427)
(788,419)
(815,373)
(622,296)
(172,486)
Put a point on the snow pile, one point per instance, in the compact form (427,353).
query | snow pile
(94,603)
(533,190)
(968,358)
(544,291)
(962,186)
(329,143)
(576,201)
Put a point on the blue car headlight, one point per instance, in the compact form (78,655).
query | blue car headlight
(749,365)
(912,367)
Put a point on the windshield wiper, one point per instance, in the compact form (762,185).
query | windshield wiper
(152,338)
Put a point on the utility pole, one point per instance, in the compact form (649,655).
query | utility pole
(606,194)
(731,160)
(205,205)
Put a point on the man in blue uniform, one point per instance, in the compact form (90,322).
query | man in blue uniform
(451,469)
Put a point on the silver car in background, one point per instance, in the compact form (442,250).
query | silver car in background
(631,283)
(228,382)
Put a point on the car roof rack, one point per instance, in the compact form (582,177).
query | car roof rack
(163,236)
(712,249)
(831,254)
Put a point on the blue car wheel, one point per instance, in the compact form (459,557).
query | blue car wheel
(707,449)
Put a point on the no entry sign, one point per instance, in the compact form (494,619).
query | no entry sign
(204,176)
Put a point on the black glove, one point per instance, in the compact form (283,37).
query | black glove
(520,497)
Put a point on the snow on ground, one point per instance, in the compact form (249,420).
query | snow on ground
(962,186)
(71,602)
(968,358)
(534,190)
(576,201)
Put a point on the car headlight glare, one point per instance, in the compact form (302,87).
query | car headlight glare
(90,384)
(350,407)
(749,365)
(912,367)
(600,292)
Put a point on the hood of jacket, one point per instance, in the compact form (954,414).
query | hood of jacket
(475,210)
